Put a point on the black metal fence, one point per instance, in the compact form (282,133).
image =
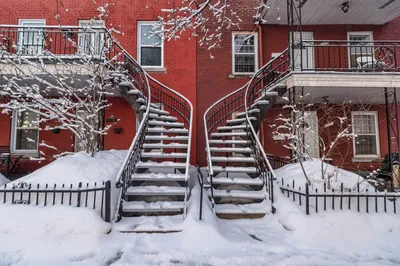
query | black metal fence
(366,200)
(96,196)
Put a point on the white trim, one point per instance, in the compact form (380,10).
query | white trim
(13,137)
(255,52)
(21,22)
(139,45)
(375,114)
(357,33)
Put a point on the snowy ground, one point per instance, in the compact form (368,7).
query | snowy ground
(72,236)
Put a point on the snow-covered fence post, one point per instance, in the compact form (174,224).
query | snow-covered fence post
(271,180)
(307,199)
(107,208)
(78,201)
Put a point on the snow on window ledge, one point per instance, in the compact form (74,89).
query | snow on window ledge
(155,69)
(236,76)
(366,159)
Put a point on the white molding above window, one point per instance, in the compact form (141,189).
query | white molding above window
(155,68)
(255,53)
(358,157)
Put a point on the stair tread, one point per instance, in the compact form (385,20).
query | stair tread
(240,120)
(166,131)
(234,169)
(143,101)
(237,159)
(166,124)
(154,110)
(173,145)
(262,102)
(156,190)
(158,176)
(237,180)
(162,137)
(230,149)
(227,128)
(161,164)
(229,142)
(253,111)
(164,155)
(238,194)
(158,205)
(229,134)
(250,208)
(163,117)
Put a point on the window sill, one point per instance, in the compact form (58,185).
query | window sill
(240,76)
(365,159)
(155,69)
(34,154)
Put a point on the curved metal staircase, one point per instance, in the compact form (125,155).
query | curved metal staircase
(240,174)
(153,180)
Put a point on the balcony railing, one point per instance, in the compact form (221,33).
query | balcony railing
(39,41)
(346,56)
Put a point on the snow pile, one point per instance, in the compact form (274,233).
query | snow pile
(3,180)
(313,169)
(79,167)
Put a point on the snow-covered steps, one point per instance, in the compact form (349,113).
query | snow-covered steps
(142,207)
(152,105)
(156,191)
(153,110)
(170,165)
(158,177)
(253,195)
(236,180)
(228,142)
(241,211)
(229,134)
(174,145)
(134,92)
(251,112)
(167,131)
(163,118)
(256,104)
(239,121)
(231,128)
(238,159)
(151,224)
(164,137)
(162,155)
(166,124)
(247,170)
(229,150)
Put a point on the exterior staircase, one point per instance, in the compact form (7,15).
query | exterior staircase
(240,175)
(153,180)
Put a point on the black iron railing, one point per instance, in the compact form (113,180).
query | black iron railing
(346,56)
(366,200)
(96,196)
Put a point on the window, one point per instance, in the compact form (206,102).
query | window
(91,40)
(360,49)
(150,46)
(25,132)
(30,36)
(365,129)
(244,50)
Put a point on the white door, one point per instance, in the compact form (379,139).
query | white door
(303,55)
(311,137)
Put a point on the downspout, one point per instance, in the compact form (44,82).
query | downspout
(261,63)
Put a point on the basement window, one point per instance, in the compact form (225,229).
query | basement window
(25,132)
(30,36)
(244,53)
(366,139)
(150,46)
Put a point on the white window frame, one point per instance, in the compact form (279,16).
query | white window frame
(94,23)
(255,52)
(139,45)
(14,129)
(357,33)
(21,22)
(367,156)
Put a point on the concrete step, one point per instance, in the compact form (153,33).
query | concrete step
(232,128)
(164,118)
(168,138)
(166,165)
(228,142)
(152,207)
(239,121)
(229,134)
(251,112)
(236,181)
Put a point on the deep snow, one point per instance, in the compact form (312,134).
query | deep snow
(3,180)
(64,235)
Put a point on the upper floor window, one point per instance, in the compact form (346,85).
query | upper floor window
(365,129)
(360,49)
(91,37)
(25,132)
(150,46)
(244,51)
(30,36)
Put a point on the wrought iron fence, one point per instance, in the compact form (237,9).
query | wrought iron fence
(346,56)
(367,200)
(96,196)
